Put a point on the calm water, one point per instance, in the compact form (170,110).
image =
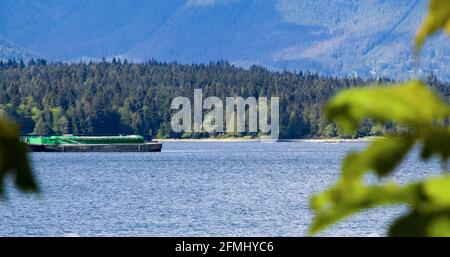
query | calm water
(189,189)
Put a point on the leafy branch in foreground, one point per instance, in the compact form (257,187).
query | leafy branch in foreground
(438,18)
(415,106)
(13,158)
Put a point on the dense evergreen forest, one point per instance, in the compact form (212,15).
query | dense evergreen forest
(119,97)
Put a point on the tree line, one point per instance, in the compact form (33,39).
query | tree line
(121,97)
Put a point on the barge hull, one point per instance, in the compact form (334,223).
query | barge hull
(146,147)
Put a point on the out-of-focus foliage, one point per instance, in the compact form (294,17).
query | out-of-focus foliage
(429,201)
(438,18)
(425,118)
(13,158)
(410,103)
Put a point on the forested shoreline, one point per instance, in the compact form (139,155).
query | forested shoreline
(120,97)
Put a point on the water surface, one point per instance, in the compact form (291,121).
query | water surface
(190,189)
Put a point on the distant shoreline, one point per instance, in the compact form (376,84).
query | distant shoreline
(313,140)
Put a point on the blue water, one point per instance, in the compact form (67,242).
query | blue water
(190,189)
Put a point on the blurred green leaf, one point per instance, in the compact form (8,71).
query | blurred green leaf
(412,224)
(430,200)
(422,224)
(436,141)
(440,225)
(381,156)
(434,194)
(13,158)
(414,106)
(345,199)
(410,103)
(438,18)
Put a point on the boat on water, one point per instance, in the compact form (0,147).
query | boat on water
(71,143)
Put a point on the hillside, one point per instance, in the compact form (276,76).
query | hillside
(126,98)
(339,37)
(9,51)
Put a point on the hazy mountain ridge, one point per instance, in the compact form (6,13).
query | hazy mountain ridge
(9,51)
(333,37)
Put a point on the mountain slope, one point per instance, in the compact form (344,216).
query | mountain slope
(9,51)
(333,37)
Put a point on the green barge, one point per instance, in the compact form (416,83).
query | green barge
(70,143)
